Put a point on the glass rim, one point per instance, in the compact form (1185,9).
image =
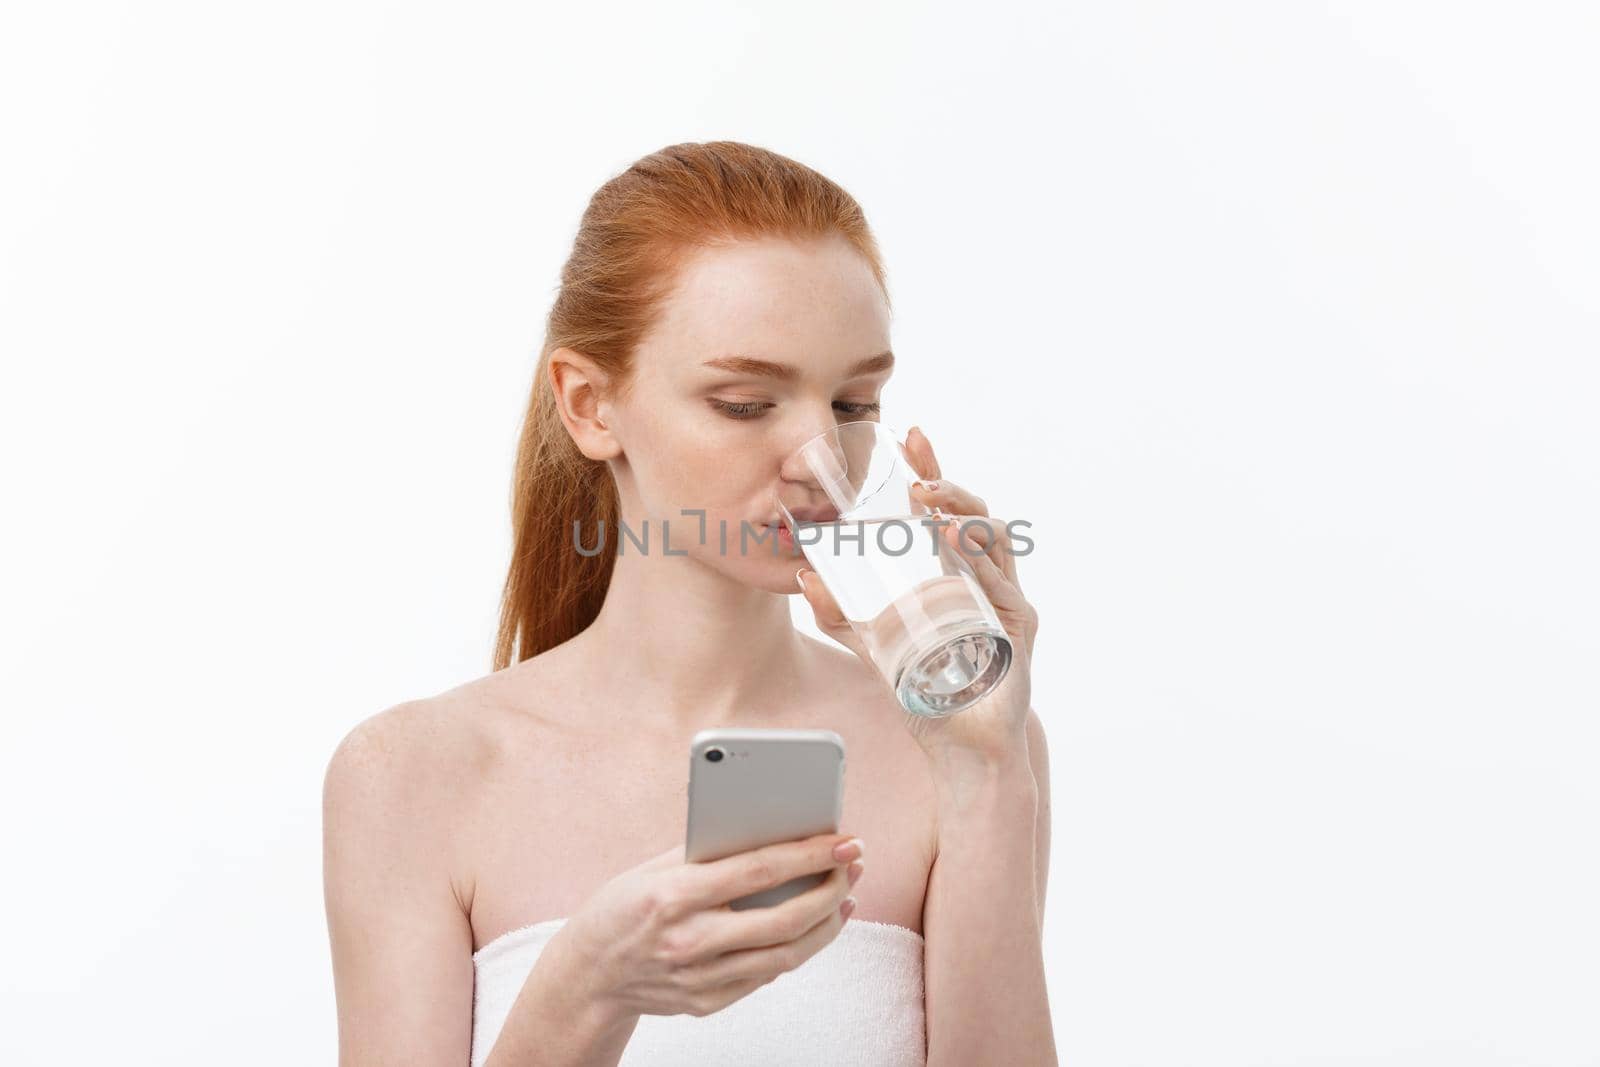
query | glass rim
(899,438)
(881,430)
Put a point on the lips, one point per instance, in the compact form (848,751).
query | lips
(803,516)
(823,513)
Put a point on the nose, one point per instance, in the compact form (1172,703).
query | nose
(804,457)
(816,485)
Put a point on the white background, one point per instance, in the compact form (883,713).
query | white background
(1278,320)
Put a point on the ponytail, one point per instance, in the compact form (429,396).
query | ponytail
(636,230)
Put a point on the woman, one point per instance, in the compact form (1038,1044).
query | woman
(495,877)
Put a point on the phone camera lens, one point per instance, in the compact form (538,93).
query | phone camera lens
(714,755)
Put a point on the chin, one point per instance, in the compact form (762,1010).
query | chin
(761,570)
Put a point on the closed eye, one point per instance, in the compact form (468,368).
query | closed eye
(755,408)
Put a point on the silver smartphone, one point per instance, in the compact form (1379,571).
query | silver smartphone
(751,787)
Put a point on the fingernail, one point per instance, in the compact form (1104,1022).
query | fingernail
(847,907)
(848,850)
(799,579)
(853,872)
(930,486)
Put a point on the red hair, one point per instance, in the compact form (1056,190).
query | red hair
(636,230)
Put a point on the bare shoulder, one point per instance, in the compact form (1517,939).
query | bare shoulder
(841,666)
(865,710)
(390,794)
(1038,744)
(423,759)
(398,892)
(402,749)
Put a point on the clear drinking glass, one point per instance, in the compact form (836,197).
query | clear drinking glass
(913,599)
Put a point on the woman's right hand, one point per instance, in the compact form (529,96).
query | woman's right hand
(660,939)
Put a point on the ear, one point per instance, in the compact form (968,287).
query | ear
(581,397)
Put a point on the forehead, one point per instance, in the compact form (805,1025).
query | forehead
(775,296)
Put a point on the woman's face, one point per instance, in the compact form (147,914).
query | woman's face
(802,335)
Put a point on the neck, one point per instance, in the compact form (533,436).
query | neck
(691,647)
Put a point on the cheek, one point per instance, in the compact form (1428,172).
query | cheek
(707,480)
(693,466)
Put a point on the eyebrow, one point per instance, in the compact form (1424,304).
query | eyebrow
(785,372)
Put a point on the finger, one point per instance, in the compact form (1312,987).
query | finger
(967,542)
(712,1001)
(670,858)
(713,882)
(948,497)
(1009,603)
(715,931)
(825,609)
(990,533)
(765,962)
(920,450)
(744,934)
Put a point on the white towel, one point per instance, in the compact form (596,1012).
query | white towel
(858,1002)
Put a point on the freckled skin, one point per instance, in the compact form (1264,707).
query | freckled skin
(532,786)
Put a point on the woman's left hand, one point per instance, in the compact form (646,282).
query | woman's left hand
(993,729)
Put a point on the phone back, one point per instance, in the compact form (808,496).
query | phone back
(769,785)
